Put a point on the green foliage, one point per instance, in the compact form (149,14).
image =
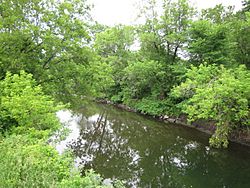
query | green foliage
(27,162)
(145,86)
(217,14)
(100,74)
(241,37)
(163,36)
(141,79)
(170,43)
(151,45)
(216,93)
(220,36)
(115,41)
(175,23)
(145,80)
(91,179)
(24,103)
(48,39)
(209,42)
(68,55)
(151,106)
(26,158)
(113,46)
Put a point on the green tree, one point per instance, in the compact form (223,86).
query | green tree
(141,79)
(209,42)
(175,22)
(220,36)
(30,163)
(100,78)
(46,38)
(142,88)
(23,103)
(151,43)
(164,36)
(216,93)
(241,37)
(115,41)
(114,48)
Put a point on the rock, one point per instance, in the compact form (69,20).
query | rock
(171,120)
(165,117)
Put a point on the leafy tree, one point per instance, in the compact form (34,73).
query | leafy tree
(164,36)
(23,103)
(218,14)
(46,38)
(141,79)
(209,43)
(216,93)
(220,36)
(151,43)
(114,47)
(151,47)
(100,77)
(241,37)
(175,22)
(27,160)
(115,41)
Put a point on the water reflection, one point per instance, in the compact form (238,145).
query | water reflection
(70,121)
(146,153)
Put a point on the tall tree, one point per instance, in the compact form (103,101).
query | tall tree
(113,46)
(166,34)
(241,35)
(209,42)
(46,38)
(175,22)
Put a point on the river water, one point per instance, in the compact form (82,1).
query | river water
(147,153)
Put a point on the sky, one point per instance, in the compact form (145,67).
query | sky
(112,12)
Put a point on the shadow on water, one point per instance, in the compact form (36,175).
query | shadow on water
(147,153)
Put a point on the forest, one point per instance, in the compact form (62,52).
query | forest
(180,61)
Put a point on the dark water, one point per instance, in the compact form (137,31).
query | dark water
(147,153)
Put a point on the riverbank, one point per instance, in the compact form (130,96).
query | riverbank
(240,136)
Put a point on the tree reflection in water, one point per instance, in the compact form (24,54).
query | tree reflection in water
(118,149)
(146,153)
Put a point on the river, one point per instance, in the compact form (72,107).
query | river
(144,152)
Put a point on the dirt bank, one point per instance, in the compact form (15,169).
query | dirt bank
(241,136)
